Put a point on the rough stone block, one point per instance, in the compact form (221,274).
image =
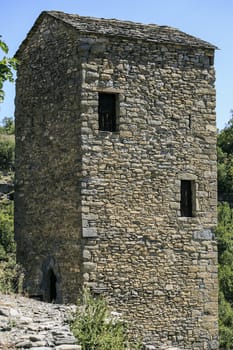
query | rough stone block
(89,232)
(68,347)
(204,235)
(89,267)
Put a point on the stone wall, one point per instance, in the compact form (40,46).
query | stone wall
(48,163)
(105,207)
(152,261)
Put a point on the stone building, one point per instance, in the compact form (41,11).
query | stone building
(116,172)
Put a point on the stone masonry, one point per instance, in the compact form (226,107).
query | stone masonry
(128,208)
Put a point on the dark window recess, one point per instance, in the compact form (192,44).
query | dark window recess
(211,60)
(186,203)
(107,112)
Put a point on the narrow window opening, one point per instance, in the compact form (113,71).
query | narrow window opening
(211,60)
(108,112)
(52,291)
(186,203)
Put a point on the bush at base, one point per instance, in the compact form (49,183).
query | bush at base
(10,274)
(95,328)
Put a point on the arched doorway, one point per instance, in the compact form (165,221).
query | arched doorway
(51,292)
(51,281)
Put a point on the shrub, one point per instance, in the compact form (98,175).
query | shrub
(95,328)
(224,234)
(7,243)
(7,152)
(225,323)
(7,226)
(11,276)
(10,272)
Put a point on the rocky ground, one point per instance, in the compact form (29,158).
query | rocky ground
(29,324)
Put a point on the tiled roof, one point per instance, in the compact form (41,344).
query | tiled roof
(126,29)
(114,27)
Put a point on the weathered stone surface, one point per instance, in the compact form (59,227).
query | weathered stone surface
(204,235)
(89,232)
(25,344)
(117,195)
(68,347)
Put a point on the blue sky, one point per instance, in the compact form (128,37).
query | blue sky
(210,20)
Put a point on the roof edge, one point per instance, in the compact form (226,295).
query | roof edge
(34,27)
(30,33)
(202,43)
(57,15)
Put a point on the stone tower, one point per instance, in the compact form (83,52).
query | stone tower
(116,172)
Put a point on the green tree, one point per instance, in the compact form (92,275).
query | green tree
(8,126)
(225,323)
(225,137)
(9,271)
(224,234)
(225,158)
(7,65)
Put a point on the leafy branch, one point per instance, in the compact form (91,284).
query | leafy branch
(7,66)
